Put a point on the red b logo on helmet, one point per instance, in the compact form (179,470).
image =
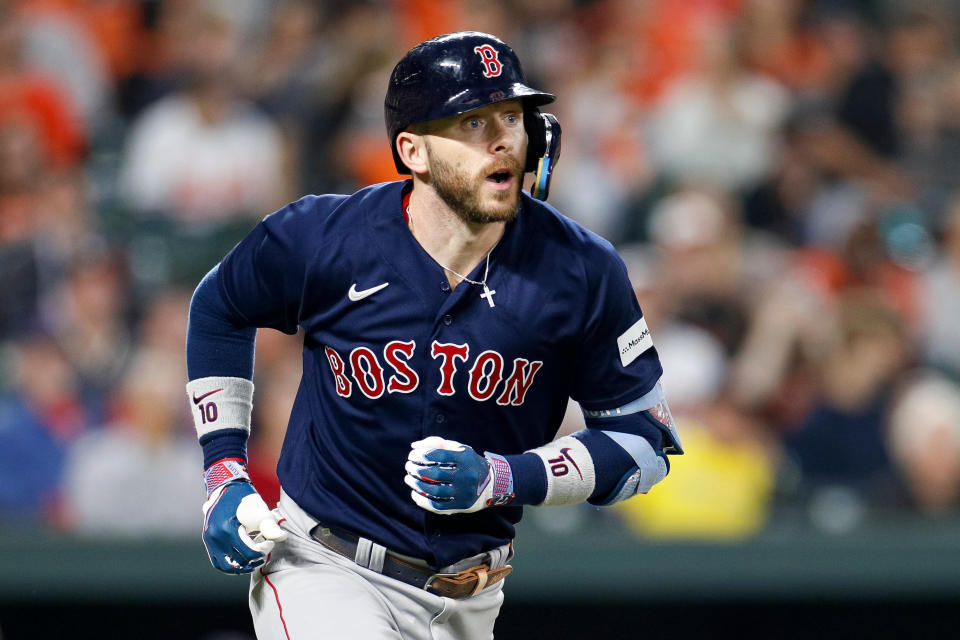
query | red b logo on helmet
(492,67)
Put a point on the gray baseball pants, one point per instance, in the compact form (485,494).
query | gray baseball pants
(306,591)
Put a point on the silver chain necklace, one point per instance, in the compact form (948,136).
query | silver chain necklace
(487,291)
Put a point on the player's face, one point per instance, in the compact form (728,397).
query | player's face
(476,162)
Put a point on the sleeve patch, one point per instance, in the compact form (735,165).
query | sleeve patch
(634,341)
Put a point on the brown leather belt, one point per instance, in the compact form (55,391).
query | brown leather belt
(462,584)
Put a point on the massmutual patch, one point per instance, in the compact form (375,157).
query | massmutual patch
(634,341)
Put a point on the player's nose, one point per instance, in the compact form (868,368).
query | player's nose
(503,137)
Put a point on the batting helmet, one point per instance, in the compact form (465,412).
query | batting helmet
(455,73)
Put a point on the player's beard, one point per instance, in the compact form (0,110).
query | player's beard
(461,192)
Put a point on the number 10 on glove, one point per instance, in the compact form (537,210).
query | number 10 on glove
(449,477)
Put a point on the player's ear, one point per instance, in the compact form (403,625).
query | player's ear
(412,149)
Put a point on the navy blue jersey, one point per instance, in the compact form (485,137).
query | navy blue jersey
(392,354)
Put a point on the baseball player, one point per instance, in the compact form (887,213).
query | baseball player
(447,319)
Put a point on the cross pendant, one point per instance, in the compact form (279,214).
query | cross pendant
(488,294)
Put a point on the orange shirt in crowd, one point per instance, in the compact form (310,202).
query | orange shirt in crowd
(30,100)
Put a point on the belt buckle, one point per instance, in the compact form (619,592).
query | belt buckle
(479,573)
(436,576)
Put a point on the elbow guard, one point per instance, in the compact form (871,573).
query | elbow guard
(645,431)
(647,415)
(651,467)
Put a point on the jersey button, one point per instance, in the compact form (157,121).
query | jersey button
(441,418)
(444,286)
(448,319)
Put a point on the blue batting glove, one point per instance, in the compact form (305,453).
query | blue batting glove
(239,530)
(449,477)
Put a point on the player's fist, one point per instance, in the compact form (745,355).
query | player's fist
(239,530)
(449,477)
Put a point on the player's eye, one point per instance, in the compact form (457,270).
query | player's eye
(512,118)
(474,123)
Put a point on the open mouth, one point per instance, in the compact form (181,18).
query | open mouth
(500,177)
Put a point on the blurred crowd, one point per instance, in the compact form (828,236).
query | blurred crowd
(782,178)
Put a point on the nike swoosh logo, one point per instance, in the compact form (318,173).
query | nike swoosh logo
(566,455)
(197,399)
(355,295)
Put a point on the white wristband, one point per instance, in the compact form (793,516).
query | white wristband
(570,474)
(220,403)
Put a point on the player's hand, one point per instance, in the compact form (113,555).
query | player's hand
(449,477)
(239,530)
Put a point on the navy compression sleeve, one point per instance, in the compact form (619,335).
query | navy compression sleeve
(218,344)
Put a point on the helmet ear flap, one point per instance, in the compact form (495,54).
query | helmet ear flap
(536,138)
(543,149)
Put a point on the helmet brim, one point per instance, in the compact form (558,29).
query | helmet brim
(471,99)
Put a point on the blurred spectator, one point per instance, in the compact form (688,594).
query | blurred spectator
(201,164)
(136,474)
(924,441)
(694,365)
(772,371)
(941,299)
(849,127)
(779,39)
(32,101)
(113,26)
(926,117)
(57,41)
(883,111)
(21,165)
(163,326)
(796,325)
(64,222)
(700,262)
(719,124)
(602,145)
(45,222)
(87,315)
(299,76)
(153,67)
(781,205)
(659,39)
(365,48)
(720,489)
(841,441)
(139,474)
(818,184)
(40,419)
(291,67)
(204,155)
